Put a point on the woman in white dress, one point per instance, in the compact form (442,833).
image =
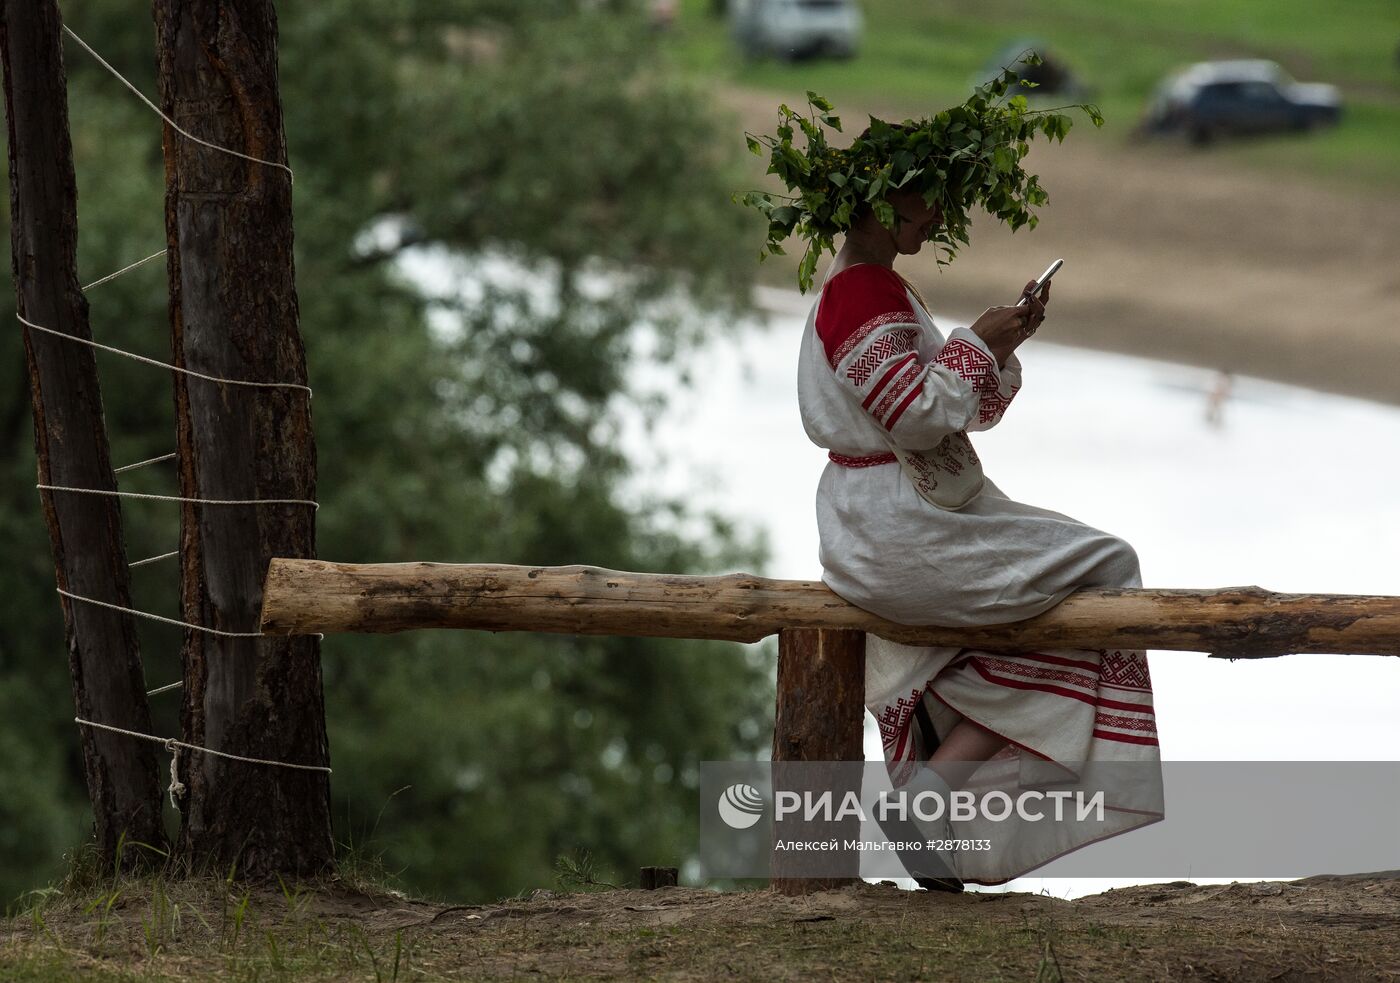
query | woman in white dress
(892,400)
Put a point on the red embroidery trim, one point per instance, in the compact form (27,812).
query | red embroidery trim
(894,724)
(1126,669)
(974,365)
(1120,705)
(894,370)
(1059,660)
(994,404)
(861,333)
(856,302)
(1012,683)
(864,461)
(879,351)
(1121,722)
(1106,735)
(970,362)
(1037,672)
(899,410)
(897,389)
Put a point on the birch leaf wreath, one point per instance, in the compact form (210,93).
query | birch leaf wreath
(962,157)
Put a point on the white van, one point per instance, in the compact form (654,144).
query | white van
(793,29)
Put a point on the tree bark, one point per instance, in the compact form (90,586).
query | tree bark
(1235,622)
(70,439)
(234,315)
(820,718)
(654,878)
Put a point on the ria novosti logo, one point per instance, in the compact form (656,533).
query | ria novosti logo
(740,806)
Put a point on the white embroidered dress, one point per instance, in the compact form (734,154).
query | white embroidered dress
(871,360)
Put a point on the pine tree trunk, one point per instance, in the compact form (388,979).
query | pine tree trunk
(234,315)
(70,439)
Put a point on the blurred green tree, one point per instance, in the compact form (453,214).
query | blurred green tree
(457,419)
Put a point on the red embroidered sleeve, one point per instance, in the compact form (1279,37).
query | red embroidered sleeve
(977,365)
(870,334)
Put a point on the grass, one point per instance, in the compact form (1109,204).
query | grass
(101,922)
(123,927)
(919,57)
(152,927)
(194,930)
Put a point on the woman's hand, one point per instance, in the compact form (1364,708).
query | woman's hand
(1004,328)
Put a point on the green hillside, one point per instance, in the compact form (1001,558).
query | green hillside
(918,57)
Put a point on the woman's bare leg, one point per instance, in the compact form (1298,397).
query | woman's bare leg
(963,750)
(960,754)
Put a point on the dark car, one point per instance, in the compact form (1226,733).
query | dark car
(1217,98)
(1052,77)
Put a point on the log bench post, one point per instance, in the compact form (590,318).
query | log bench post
(303,597)
(820,717)
(821,637)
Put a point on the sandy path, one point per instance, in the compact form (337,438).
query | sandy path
(1180,255)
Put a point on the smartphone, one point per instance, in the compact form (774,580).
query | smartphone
(1041,281)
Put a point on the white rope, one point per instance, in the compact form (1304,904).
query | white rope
(142,96)
(124,269)
(153,559)
(164,365)
(178,498)
(149,460)
(177,788)
(170,742)
(172,621)
(156,617)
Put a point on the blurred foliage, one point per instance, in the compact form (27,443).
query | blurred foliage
(546,136)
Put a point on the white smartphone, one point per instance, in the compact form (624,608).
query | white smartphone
(1041,281)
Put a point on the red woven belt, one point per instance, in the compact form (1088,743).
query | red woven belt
(864,461)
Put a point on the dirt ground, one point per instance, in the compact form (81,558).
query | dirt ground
(1318,928)
(1182,254)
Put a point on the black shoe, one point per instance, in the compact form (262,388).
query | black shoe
(927,868)
(931,870)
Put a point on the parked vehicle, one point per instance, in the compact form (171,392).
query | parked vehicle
(1217,98)
(793,29)
(663,14)
(1052,77)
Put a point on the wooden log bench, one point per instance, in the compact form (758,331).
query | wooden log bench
(821,638)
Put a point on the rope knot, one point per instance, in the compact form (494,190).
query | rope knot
(177,788)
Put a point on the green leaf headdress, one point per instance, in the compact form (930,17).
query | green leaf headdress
(964,156)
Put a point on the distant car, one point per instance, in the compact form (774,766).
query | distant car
(1052,77)
(793,29)
(663,14)
(1217,98)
